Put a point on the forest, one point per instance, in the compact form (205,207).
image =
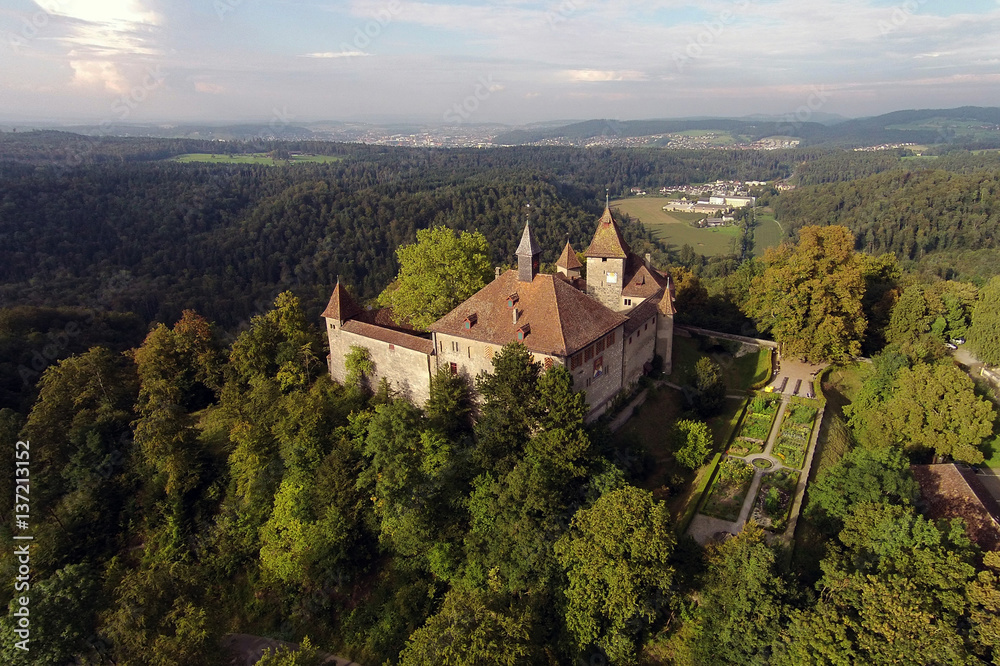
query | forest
(195,472)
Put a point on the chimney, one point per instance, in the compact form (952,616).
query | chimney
(497,272)
(649,261)
(514,311)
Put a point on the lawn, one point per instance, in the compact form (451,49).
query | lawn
(247,158)
(992,452)
(767,234)
(756,427)
(738,373)
(649,430)
(675,228)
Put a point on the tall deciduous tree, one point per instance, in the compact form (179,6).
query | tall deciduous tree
(741,604)
(810,295)
(865,474)
(436,273)
(616,558)
(935,407)
(984,334)
(693,442)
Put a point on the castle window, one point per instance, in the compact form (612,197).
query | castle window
(611,338)
(598,366)
(628,301)
(600,345)
(646,326)
(454,347)
(454,368)
(512,300)
(589,354)
(548,364)
(392,347)
(523,331)
(576,361)
(470,351)
(630,339)
(470,321)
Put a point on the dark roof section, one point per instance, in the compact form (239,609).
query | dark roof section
(953,493)
(341,305)
(416,343)
(640,314)
(608,241)
(563,319)
(528,246)
(642,281)
(568,259)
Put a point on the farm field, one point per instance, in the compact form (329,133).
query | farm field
(767,234)
(675,228)
(254,158)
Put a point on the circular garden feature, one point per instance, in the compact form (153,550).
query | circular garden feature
(762,463)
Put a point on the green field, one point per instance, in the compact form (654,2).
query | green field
(767,234)
(254,158)
(676,229)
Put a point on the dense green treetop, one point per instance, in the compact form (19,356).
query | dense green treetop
(984,333)
(810,295)
(439,271)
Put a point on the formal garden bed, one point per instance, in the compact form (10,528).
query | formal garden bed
(752,437)
(729,489)
(793,438)
(774,499)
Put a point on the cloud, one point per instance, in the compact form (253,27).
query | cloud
(102,74)
(210,88)
(600,75)
(337,54)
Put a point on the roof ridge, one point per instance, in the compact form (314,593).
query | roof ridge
(559,318)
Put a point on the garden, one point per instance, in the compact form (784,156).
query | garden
(793,438)
(752,436)
(774,499)
(729,489)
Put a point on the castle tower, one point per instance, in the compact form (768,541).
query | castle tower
(528,256)
(568,264)
(606,259)
(665,312)
(340,308)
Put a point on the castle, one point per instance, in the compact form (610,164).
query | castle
(605,329)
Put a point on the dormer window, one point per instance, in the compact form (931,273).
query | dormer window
(523,331)
(512,300)
(470,321)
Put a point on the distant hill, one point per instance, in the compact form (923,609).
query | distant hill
(968,125)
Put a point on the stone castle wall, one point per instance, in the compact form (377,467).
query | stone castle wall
(639,349)
(408,371)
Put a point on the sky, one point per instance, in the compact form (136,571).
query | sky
(511,62)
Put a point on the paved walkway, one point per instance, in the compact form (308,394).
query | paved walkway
(704,528)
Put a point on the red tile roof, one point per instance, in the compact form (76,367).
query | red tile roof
(608,241)
(563,320)
(951,493)
(341,305)
(642,282)
(639,315)
(568,259)
(416,343)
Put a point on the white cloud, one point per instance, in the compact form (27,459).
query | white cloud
(336,54)
(596,75)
